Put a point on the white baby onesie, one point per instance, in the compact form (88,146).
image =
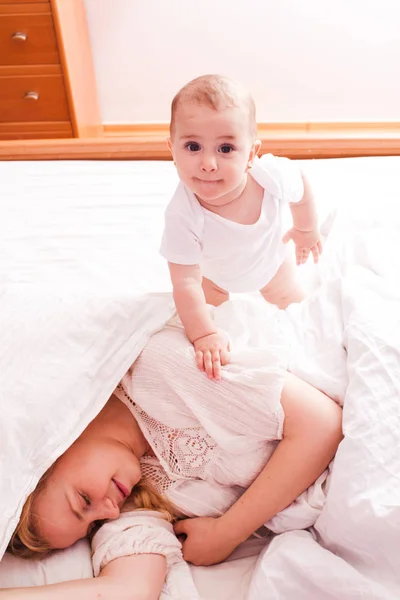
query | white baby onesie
(238,258)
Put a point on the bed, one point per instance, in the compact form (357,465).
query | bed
(82,288)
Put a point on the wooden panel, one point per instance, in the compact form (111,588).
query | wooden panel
(76,58)
(25,8)
(18,103)
(363,143)
(22,2)
(24,131)
(31,70)
(295,140)
(27,39)
(157,131)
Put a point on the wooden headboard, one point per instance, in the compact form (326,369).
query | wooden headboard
(147,142)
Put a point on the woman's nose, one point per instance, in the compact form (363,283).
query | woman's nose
(209,163)
(107,510)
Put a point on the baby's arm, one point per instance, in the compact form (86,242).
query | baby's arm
(137,577)
(211,345)
(305,233)
(190,301)
(311,435)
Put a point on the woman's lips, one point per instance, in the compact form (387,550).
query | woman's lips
(124,491)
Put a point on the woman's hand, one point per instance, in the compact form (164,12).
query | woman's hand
(212,351)
(206,540)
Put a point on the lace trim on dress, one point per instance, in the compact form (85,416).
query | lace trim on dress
(154,473)
(184,453)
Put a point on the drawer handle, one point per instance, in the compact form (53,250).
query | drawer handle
(31,96)
(19,36)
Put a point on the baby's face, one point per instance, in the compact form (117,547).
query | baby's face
(212,150)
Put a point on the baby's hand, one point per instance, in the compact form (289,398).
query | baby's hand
(212,351)
(305,242)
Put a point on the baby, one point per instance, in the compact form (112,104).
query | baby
(223,227)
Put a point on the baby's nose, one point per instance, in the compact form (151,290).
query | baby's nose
(209,163)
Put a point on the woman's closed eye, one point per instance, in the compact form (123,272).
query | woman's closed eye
(85,499)
(94,525)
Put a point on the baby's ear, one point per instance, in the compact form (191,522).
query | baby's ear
(256,147)
(169,144)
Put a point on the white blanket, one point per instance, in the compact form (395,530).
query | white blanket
(72,320)
(76,254)
(353,550)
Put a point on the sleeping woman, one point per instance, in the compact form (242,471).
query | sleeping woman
(178,465)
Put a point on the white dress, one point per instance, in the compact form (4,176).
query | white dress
(237,257)
(211,439)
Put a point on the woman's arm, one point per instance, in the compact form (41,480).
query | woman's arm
(311,435)
(138,577)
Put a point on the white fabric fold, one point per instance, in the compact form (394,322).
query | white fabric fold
(145,532)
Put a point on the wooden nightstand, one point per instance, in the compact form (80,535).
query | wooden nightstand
(47,83)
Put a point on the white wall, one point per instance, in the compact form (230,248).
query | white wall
(302,59)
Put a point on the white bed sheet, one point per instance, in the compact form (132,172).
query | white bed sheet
(98,225)
(227,581)
(50,210)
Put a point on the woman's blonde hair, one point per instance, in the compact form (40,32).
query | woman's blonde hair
(27,543)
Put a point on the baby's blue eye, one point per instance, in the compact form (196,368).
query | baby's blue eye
(193,146)
(226,149)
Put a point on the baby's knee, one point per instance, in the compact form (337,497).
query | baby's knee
(282,296)
(214,295)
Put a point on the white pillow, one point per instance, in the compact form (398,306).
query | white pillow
(226,581)
(64,565)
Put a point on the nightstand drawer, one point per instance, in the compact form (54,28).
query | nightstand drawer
(18,3)
(47,82)
(37,130)
(33,98)
(27,39)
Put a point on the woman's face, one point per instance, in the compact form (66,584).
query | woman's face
(89,482)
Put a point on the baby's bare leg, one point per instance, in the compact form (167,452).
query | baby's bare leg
(283,289)
(213,293)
